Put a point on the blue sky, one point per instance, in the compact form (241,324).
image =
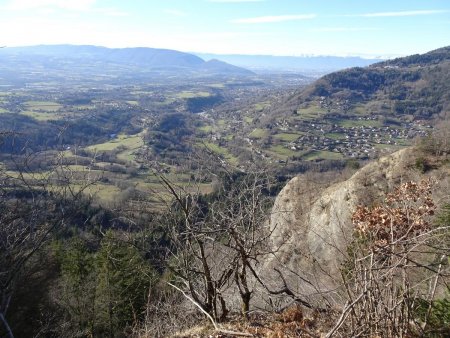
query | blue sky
(275,27)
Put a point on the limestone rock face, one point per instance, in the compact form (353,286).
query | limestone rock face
(311,229)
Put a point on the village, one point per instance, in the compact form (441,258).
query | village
(360,142)
(348,137)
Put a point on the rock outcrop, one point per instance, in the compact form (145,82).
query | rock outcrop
(311,230)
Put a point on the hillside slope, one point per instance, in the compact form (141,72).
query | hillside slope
(416,85)
(360,112)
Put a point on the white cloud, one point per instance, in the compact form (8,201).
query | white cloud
(45,31)
(275,18)
(343,29)
(73,5)
(234,1)
(220,35)
(175,12)
(109,12)
(403,13)
(47,7)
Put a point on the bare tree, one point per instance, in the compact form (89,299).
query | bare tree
(32,206)
(397,262)
(241,214)
(217,240)
(191,260)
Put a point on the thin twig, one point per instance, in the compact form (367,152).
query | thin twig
(216,326)
(5,323)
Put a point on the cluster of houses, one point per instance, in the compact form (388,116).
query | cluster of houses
(362,139)
(356,141)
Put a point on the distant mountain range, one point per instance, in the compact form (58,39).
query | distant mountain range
(292,63)
(175,62)
(145,58)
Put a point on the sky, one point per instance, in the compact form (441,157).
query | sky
(366,28)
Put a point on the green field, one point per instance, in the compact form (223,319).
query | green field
(248,119)
(158,196)
(42,110)
(310,113)
(43,105)
(221,123)
(187,94)
(42,116)
(325,155)
(220,151)
(261,105)
(281,151)
(359,110)
(128,144)
(287,137)
(335,136)
(258,133)
(28,176)
(127,155)
(101,192)
(229,137)
(205,129)
(131,142)
(359,123)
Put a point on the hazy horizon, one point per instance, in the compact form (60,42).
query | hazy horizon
(383,29)
(362,56)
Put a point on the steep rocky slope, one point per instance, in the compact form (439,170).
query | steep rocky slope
(312,228)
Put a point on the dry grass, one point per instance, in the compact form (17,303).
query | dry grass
(291,323)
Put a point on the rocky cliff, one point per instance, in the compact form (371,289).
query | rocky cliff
(311,229)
